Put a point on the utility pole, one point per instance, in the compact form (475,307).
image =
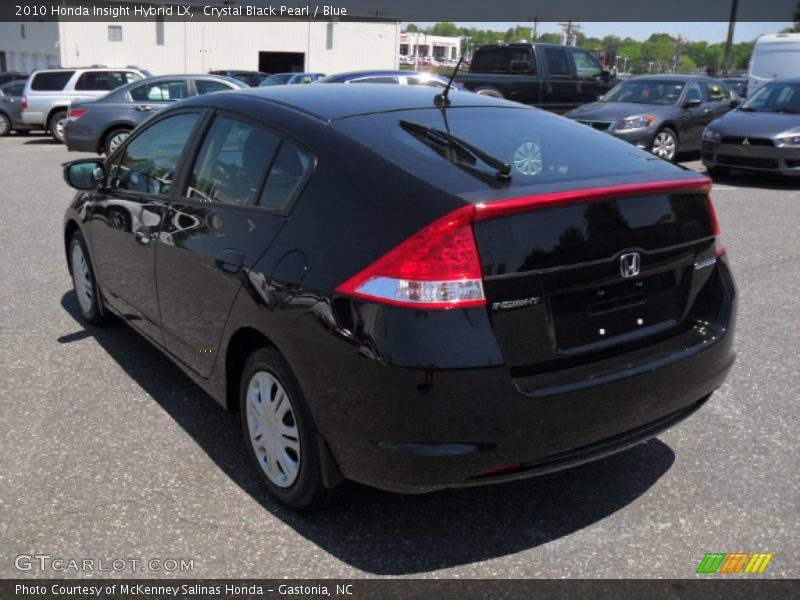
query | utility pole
(535,30)
(726,61)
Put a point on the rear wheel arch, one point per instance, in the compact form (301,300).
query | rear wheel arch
(242,343)
(69,230)
(53,111)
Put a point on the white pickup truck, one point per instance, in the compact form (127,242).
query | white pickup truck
(48,93)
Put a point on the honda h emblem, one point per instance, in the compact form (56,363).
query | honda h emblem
(629,264)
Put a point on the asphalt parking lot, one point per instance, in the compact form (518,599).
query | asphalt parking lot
(109,451)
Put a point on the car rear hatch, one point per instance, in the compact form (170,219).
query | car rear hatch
(573,278)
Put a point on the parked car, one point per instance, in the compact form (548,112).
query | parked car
(763,134)
(291,78)
(8,76)
(401,77)
(250,78)
(737,84)
(11,108)
(409,296)
(774,56)
(665,114)
(102,125)
(49,93)
(549,76)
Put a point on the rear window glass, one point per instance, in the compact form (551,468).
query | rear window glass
(540,148)
(51,81)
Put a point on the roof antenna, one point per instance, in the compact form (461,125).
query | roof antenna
(441,100)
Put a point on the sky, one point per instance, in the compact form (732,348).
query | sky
(710,32)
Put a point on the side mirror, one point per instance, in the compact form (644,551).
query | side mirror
(84,174)
(693,103)
(735,102)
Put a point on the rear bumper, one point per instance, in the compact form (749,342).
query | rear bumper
(79,138)
(752,158)
(419,430)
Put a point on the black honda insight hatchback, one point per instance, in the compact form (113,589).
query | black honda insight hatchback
(407,291)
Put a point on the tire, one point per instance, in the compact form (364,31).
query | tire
(665,144)
(84,282)
(5,125)
(114,138)
(718,171)
(284,422)
(56,125)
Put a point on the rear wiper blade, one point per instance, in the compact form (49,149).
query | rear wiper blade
(502,168)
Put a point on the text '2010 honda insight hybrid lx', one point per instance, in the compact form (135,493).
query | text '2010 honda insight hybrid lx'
(406,290)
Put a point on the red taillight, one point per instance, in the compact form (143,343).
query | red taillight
(719,248)
(436,268)
(24,104)
(75,113)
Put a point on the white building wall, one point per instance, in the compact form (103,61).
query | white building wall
(39,48)
(200,47)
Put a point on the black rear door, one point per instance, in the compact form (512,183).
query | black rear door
(235,199)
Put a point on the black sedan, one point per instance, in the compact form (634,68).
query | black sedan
(762,135)
(101,125)
(11,108)
(665,114)
(407,290)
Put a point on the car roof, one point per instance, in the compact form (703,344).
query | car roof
(337,101)
(368,73)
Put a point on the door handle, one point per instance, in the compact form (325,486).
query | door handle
(229,260)
(144,108)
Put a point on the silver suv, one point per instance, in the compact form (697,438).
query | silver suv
(48,93)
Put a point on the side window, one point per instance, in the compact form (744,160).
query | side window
(586,65)
(717,92)
(288,172)
(512,60)
(161,91)
(232,164)
(556,62)
(51,81)
(694,92)
(376,80)
(149,161)
(208,86)
(483,61)
(94,81)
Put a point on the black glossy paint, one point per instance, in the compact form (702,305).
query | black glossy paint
(415,400)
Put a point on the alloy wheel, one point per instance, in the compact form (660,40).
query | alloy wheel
(59,131)
(116,140)
(272,428)
(664,145)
